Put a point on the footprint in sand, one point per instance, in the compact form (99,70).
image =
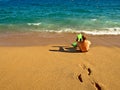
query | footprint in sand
(97,86)
(89,71)
(80,78)
(85,68)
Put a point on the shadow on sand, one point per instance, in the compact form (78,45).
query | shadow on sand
(64,49)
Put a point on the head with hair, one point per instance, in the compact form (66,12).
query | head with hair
(84,37)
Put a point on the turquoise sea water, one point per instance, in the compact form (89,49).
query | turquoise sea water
(91,16)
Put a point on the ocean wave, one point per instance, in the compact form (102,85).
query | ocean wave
(106,31)
(94,19)
(34,24)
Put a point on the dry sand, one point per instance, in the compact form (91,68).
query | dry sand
(32,61)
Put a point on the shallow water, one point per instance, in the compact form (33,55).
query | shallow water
(91,16)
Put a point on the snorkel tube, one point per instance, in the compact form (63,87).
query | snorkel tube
(79,38)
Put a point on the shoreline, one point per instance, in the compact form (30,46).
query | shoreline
(48,38)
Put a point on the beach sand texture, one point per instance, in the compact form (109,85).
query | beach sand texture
(36,62)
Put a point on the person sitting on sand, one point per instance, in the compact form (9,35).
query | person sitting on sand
(84,44)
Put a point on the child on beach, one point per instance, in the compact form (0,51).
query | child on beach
(84,44)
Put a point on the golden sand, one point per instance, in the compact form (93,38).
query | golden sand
(59,67)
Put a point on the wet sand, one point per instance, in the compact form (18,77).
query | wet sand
(38,39)
(46,61)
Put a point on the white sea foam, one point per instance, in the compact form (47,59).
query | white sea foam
(93,19)
(102,32)
(106,31)
(35,24)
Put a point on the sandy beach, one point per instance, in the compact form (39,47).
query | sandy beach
(37,61)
